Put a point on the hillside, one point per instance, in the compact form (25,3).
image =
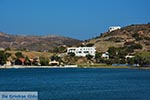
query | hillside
(35,43)
(138,34)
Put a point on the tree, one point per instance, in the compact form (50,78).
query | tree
(27,61)
(55,57)
(44,61)
(122,52)
(137,46)
(112,52)
(71,54)
(137,36)
(7,54)
(130,49)
(108,61)
(19,55)
(143,59)
(130,61)
(62,49)
(3,57)
(98,57)
(7,49)
(89,57)
(117,55)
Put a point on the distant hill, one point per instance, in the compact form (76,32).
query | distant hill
(35,43)
(139,34)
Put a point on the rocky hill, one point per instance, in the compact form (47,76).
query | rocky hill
(35,43)
(133,34)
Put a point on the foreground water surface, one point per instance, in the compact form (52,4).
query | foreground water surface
(79,83)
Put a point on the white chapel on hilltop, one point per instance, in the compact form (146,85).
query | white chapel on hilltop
(113,28)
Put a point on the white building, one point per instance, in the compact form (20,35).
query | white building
(113,28)
(105,55)
(82,51)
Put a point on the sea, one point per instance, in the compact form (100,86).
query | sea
(78,83)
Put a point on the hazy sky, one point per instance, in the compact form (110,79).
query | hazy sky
(80,19)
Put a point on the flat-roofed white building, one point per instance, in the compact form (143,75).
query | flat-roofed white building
(113,28)
(82,51)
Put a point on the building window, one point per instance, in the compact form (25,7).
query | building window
(80,52)
(86,51)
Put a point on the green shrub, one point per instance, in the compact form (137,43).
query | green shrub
(137,37)
(44,61)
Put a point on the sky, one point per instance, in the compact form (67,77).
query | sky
(79,19)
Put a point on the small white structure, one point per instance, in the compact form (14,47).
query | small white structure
(70,66)
(128,56)
(113,28)
(105,55)
(82,51)
(54,62)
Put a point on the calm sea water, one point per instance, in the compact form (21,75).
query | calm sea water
(78,83)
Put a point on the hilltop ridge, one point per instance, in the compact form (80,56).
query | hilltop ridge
(139,34)
(35,43)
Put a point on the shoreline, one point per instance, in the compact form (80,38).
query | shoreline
(75,66)
(22,66)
